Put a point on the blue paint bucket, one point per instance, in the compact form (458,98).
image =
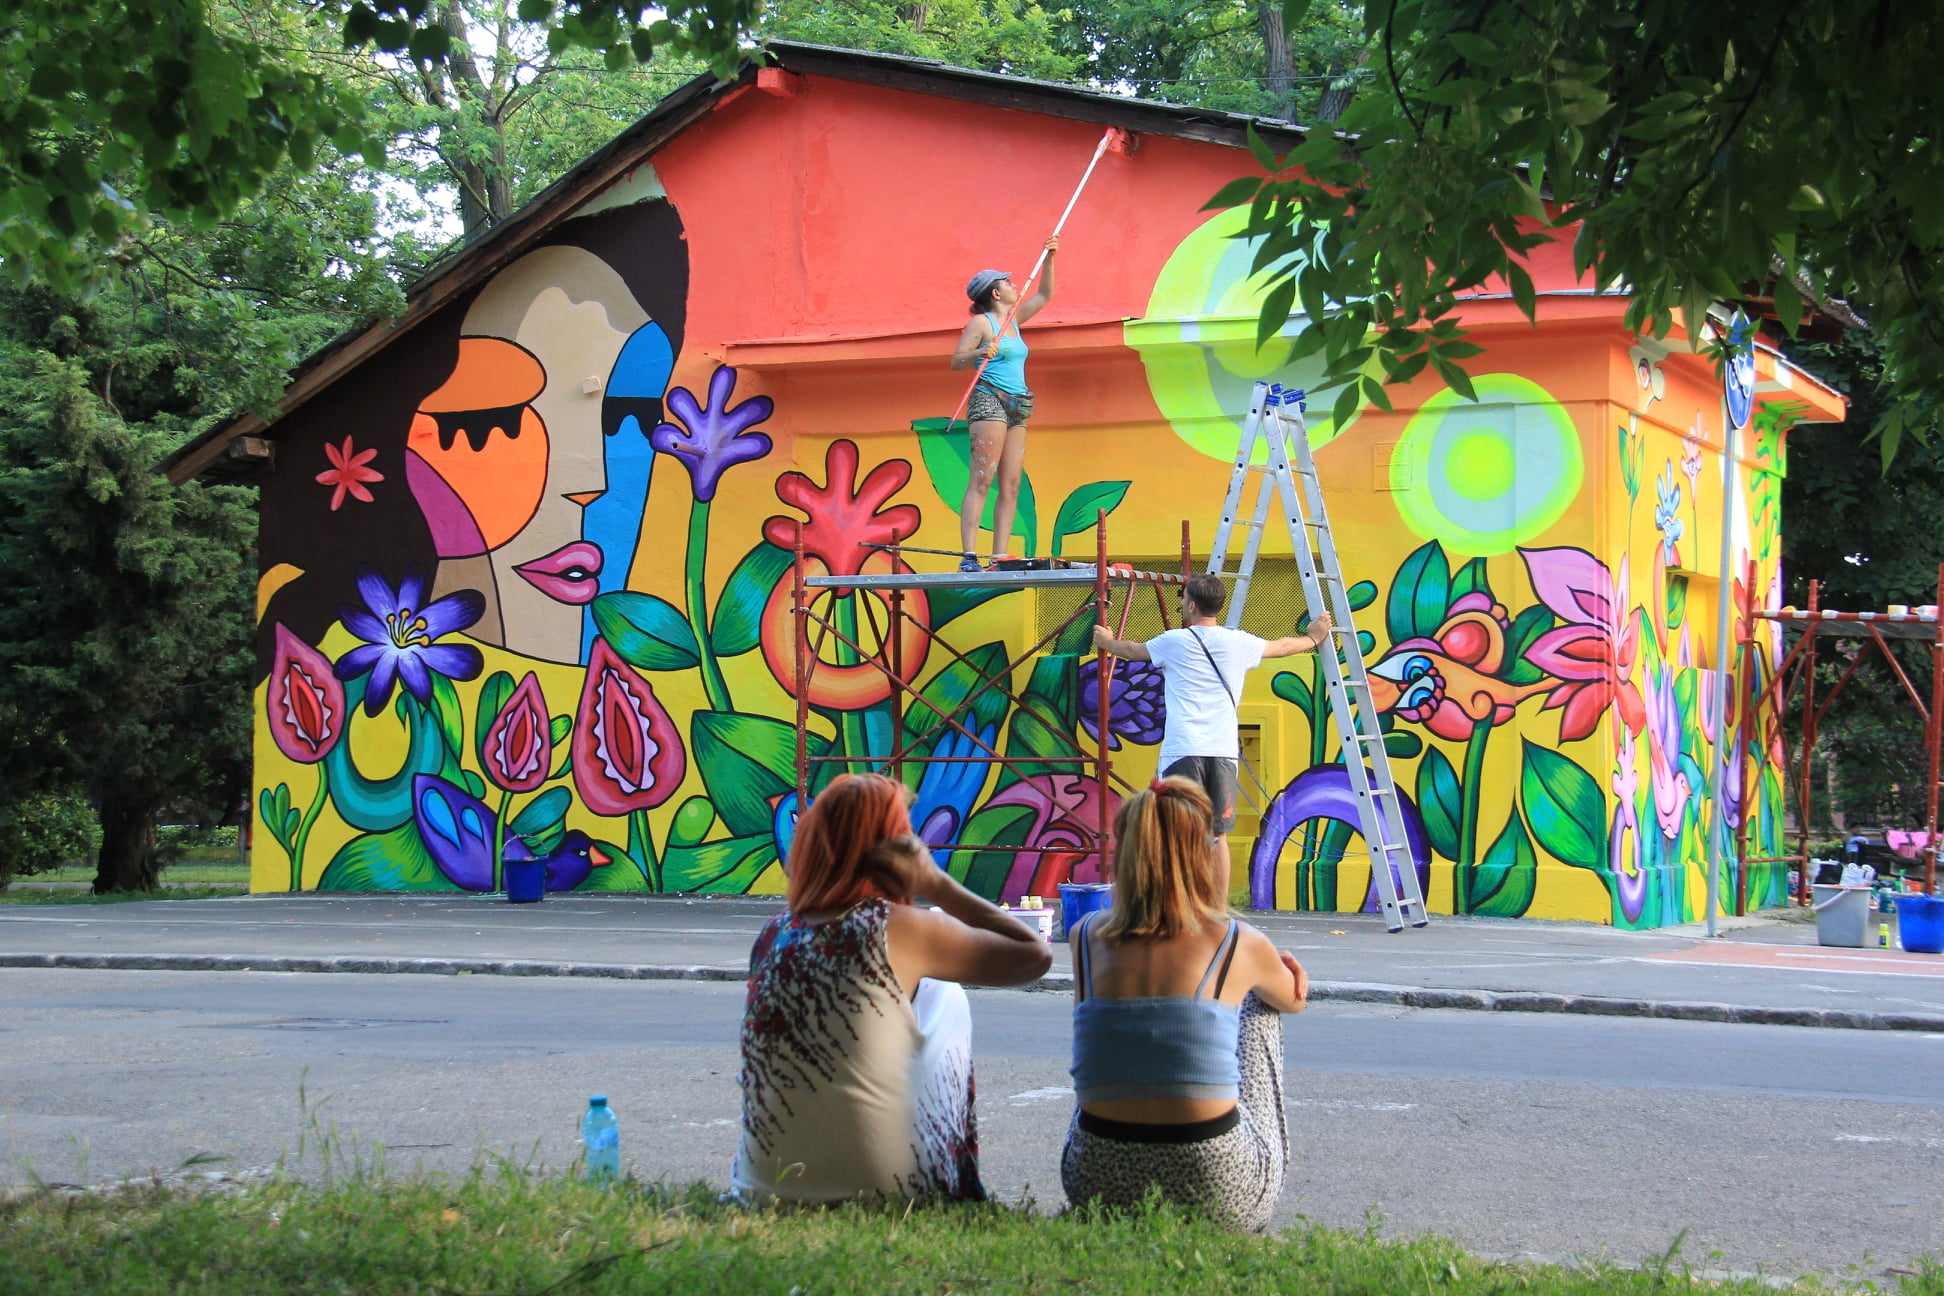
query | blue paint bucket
(1920,923)
(526,880)
(1078,899)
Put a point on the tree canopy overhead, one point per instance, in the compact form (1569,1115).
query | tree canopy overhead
(1704,151)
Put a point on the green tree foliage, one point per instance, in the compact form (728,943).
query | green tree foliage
(1703,150)
(1235,55)
(44,830)
(1015,36)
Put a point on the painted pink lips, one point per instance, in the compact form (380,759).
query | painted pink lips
(570,574)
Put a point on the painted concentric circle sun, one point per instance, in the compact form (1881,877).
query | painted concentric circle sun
(1197,341)
(1486,477)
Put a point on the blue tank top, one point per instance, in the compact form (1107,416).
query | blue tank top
(1007,370)
(1169,1046)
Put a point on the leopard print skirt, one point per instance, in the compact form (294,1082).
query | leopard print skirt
(1235,1177)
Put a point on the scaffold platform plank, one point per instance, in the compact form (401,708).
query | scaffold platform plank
(1062,578)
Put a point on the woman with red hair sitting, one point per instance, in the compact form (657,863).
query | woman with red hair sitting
(856,1038)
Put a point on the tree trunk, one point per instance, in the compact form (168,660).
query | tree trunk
(127,858)
(1278,60)
(1335,98)
(485,190)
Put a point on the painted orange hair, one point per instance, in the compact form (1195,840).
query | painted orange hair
(836,857)
(1165,876)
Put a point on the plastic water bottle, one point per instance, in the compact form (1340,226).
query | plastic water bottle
(602,1139)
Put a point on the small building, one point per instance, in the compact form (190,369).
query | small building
(525,558)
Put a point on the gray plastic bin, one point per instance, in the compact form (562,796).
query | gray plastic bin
(1842,916)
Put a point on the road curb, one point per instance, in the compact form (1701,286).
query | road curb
(1511,1001)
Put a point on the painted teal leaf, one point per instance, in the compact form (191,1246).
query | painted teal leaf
(739,612)
(1441,802)
(948,462)
(390,861)
(1419,595)
(541,816)
(1045,725)
(646,632)
(949,604)
(984,871)
(1362,595)
(1564,806)
(945,696)
(1471,579)
(1525,631)
(1502,884)
(745,761)
(492,696)
(1402,744)
(380,805)
(449,715)
(1078,511)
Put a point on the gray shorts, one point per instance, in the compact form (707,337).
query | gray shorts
(1218,777)
(989,404)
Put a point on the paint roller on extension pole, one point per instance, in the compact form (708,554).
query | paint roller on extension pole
(1115,139)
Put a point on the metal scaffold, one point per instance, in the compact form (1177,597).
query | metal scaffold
(878,630)
(1795,677)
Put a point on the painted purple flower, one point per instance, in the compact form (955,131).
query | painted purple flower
(1629,875)
(717,437)
(1137,708)
(398,628)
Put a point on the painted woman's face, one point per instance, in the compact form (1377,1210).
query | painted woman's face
(508,452)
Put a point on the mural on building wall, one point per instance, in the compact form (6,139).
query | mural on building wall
(526,596)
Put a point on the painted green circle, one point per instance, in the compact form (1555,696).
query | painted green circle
(1486,477)
(1197,341)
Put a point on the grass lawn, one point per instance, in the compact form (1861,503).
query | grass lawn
(511,1233)
(198,875)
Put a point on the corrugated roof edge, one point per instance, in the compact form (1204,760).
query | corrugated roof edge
(468,265)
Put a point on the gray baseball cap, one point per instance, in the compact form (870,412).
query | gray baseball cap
(981,283)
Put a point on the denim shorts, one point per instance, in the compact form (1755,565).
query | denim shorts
(989,404)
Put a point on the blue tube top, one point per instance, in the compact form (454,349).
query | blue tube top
(1173,1046)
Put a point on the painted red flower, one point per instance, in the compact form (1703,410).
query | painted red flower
(1592,651)
(305,701)
(627,753)
(349,471)
(518,747)
(844,520)
(844,516)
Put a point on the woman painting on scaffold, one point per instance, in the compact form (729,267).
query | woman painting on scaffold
(1000,402)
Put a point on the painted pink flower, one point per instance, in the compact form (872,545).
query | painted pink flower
(1691,452)
(305,701)
(349,471)
(627,752)
(1592,654)
(1063,835)
(1670,782)
(518,747)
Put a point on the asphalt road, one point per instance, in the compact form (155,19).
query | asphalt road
(1779,1149)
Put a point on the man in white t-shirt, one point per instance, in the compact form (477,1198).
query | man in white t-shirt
(1203,667)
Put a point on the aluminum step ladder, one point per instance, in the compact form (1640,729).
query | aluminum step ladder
(1289,477)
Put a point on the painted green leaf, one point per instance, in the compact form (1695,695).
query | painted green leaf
(390,861)
(949,604)
(1471,579)
(1045,725)
(473,783)
(1361,595)
(945,696)
(726,866)
(451,718)
(1440,801)
(492,696)
(1502,884)
(1419,595)
(646,632)
(273,806)
(1078,511)
(948,462)
(541,815)
(1564,806)
(1293,688)
(1677,592)
(985,871)
(746,760)
(739,612)
(1525,631)
(559,727)
(1402,744)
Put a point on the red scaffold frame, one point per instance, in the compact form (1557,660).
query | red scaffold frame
(1092,761)
(1798,671)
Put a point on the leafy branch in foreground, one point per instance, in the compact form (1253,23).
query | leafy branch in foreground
(1690,154)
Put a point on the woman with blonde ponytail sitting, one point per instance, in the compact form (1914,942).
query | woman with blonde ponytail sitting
(1177,1028)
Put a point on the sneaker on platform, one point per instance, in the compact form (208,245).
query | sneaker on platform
(970,564)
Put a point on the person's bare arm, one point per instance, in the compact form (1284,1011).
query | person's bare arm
(1044,293)
(969,939)
(1275,975)
(1125,649)
(975,343)
(1292,645)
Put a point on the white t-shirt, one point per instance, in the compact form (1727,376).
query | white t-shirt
(1201,711)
